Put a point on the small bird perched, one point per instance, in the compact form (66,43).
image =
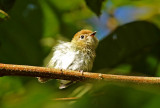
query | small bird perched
(76,55)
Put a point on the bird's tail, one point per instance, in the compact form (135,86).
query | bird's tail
(65,83)
(42,80)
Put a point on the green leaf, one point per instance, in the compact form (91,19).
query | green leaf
(125,43)
(3,15)
(95,6)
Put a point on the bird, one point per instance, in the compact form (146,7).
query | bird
(77,55)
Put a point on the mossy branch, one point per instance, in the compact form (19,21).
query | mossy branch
(33,71)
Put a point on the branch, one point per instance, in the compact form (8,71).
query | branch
(33,71)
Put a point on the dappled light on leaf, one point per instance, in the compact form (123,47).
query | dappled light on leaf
(3,15)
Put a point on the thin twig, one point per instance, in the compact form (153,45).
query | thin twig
(33,71)
(66,99)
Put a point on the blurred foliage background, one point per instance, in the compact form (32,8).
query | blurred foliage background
(129,36)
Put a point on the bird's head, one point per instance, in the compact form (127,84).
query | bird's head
(85,38)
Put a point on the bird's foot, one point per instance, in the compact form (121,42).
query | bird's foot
(81,71)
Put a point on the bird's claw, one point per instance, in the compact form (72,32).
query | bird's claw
(81,71)
(61,71)
(100,76)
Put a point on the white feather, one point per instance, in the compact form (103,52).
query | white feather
(66,57)
(63,56)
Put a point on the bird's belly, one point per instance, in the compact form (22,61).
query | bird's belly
(65,60)
(74,62)
(81,62)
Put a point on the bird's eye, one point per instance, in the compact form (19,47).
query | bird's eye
(82,37)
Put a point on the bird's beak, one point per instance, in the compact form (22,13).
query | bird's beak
(93,34)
